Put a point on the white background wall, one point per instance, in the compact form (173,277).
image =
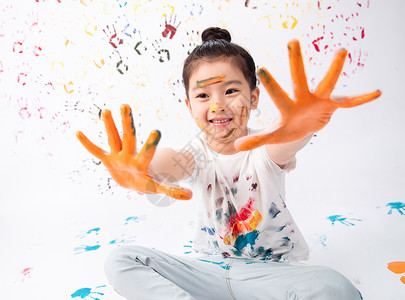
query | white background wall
(60,214)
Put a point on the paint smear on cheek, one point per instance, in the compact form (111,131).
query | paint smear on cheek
(244,115)
(230,134)
(212,80)
(201,126)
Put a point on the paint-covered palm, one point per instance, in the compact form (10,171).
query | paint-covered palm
(310,112)
(127,167)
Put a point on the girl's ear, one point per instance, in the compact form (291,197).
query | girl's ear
(255,98)
(188,105)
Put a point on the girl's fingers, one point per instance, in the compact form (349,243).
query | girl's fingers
(145,156)
(253,141)
(128,137)
(93,149)
(299,79)
(277,94)
(345,102)
(175,192)
(326,86)
(114,139)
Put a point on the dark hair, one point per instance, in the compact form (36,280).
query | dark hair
(216,45)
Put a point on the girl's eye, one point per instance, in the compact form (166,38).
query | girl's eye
(202,95)
(230,91)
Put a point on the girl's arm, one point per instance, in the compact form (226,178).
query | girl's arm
(282,154)
(171,166)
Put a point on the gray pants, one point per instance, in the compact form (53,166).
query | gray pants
(140,273)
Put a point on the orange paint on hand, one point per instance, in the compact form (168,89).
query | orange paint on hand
(211,80)
(309,112)
(127,167)
(397,267)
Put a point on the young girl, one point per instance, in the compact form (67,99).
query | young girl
(247,239)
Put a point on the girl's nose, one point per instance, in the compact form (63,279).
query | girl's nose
(215,106)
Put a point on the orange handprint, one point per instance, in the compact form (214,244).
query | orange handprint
(128,168)
(310,112)
(397,267)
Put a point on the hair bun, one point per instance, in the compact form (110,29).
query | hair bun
(215,33)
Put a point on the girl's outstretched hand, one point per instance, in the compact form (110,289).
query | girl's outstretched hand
(128,168)
(310,112)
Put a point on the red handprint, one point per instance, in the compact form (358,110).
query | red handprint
(114,40)
(170,29)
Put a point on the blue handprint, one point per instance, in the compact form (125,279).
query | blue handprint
(398,206)
(320,239)
(122,240)
(188,247)
(135,219)
(88,232)
(195,9)
(84,248)
(86,293)
(341,219)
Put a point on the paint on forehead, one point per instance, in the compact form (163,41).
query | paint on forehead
(211,80)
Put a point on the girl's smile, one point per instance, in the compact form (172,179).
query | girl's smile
(221,122)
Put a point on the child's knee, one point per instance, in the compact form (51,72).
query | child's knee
(337,286)
(120,259)
(113,263)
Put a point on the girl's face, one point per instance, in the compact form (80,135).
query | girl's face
(220,101)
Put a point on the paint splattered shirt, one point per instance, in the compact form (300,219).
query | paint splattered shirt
(241,209)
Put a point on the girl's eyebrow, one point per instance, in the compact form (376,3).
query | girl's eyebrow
(213,80)
(209,81)
(233,82)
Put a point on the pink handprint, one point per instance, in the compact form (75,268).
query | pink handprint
(23,71)
(23,111)
(32,22)
(37,50)
(26,273)
(18,47)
